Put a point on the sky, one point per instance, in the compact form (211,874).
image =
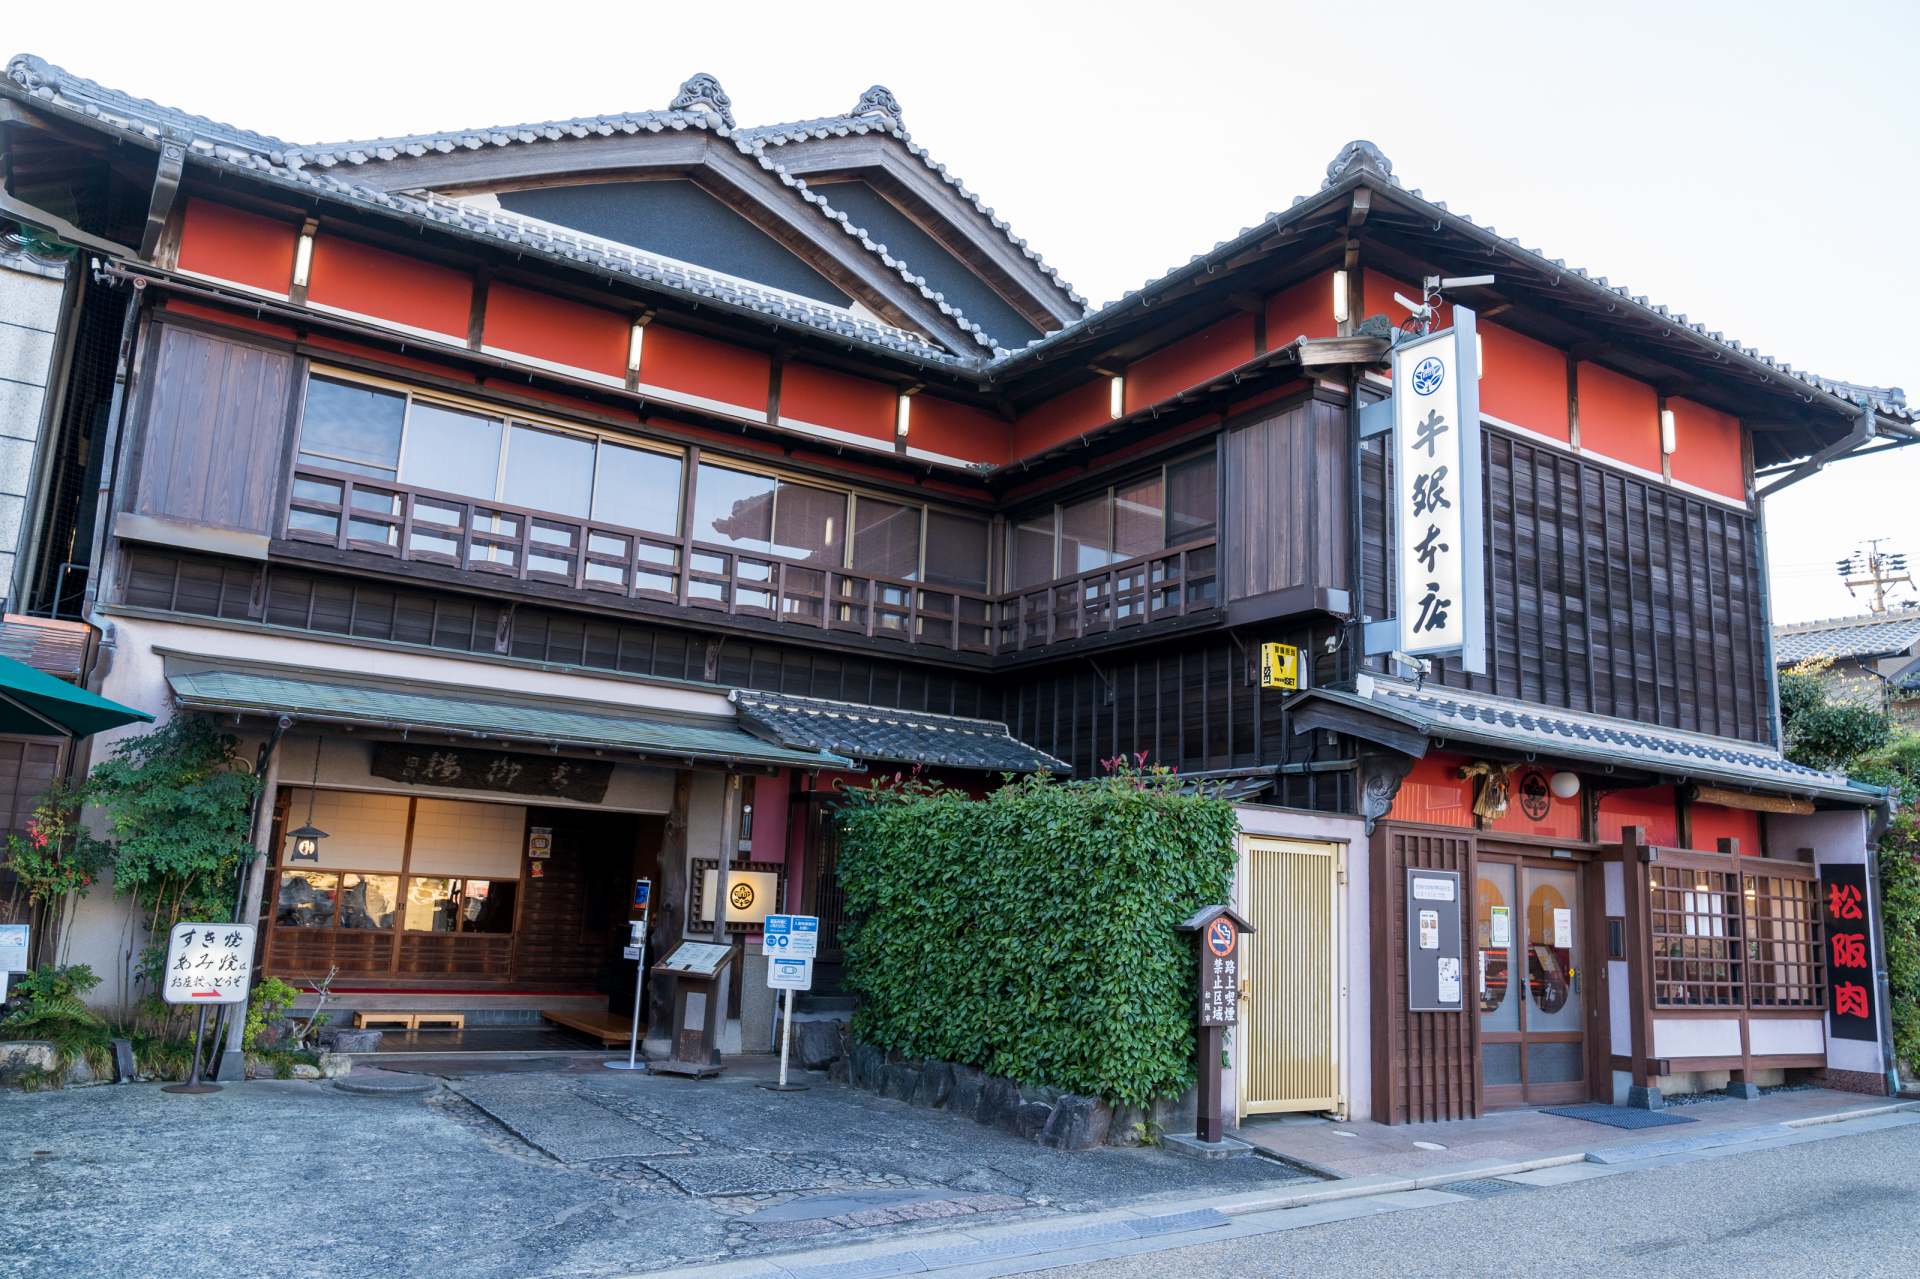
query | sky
(1754,165)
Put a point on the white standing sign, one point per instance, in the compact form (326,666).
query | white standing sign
(208,964)
(789,974)
(13,949)
(790,936)
(1436,457)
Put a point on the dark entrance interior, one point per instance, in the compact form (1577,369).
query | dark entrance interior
(579,900)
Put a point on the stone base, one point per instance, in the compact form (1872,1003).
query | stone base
(1744,1092)
(1645,1098)
(1187,1144)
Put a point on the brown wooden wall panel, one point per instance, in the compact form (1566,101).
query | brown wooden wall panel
(303,955)
(447,956)
(554,947)
(28,766)
(1607,593)
(215,431)
(1285,523)
(1425,1065)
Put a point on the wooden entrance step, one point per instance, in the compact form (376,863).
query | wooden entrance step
(366,1020)
(439,1021)
(611,1029)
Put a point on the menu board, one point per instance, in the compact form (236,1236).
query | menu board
(696,959)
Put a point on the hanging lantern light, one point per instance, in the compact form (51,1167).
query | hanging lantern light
(306,839)
(1564,785)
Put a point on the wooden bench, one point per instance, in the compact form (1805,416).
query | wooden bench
(612,1030)
(439,1021)
(383,1021)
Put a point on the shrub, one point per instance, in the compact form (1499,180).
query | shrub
(47,1004)
(1033,933)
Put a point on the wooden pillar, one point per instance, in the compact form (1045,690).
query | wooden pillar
(1635,878)
(233,1058)
(670,899)
(730,797)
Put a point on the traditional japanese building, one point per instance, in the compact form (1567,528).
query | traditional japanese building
(1872,659)
(558,504)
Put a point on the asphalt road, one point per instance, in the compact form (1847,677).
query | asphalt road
(1844,1207)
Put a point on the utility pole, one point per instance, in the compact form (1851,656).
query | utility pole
(1877,569)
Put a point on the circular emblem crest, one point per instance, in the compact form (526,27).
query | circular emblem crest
(1428,375)
(1535,799)
(741,895)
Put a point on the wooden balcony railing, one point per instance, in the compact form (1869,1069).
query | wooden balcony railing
(355,513)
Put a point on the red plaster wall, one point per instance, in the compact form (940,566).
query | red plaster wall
(551,328)
(1523,381)
(1707,449)
(224,242)
(1711,823)
(1563,819)
(1062,418)
(823,397)
(370,281)
(1434,793)
(218,315)
(1651,808)
(1191,360)
(696,365)
(1302,310)
(1619,417)
(959,430)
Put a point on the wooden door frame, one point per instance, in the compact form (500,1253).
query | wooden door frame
(1590,956)
(1339,851)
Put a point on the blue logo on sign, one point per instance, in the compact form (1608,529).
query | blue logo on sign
(1428,375)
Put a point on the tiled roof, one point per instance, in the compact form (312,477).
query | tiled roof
(1870,635)
(891,736)
(1454,716)
(210,684)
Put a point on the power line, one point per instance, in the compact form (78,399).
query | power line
(1876,569)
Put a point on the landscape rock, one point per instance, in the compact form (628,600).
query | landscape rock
(334,1064)
(818,1044)
(969,1085)
(899,1079)
(19,1057)
(1131,1126)
(841,1072)
(999,1099)
(1077,1123)
(1030,1119)
(347,1040)
(304,1071)
(935,1085)
(867,1062)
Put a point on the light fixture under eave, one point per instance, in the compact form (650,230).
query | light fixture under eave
(636,340)
(1340,311)
(1564,785)
(306,839)
(1667,440)
(903,416)
(302,259)
(1116,396)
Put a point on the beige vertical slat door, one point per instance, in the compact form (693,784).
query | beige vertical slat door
(1290,1017)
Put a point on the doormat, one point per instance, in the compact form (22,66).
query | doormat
(1618,1116)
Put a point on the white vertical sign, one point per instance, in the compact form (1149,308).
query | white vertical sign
(1436,456)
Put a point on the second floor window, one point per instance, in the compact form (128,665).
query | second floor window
(1167,507)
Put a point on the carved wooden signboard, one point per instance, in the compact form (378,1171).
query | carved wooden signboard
(465,768)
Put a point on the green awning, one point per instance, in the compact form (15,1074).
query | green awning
(206,684)
(35,702)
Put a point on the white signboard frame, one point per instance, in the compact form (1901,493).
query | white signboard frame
(1439,559)
(208,964)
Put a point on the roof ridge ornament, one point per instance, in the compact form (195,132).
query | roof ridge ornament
(878,100)
(702,92)
(1358,155)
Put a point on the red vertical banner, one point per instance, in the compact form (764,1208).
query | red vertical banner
(1850,983)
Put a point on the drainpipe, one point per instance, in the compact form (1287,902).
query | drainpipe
(253,878)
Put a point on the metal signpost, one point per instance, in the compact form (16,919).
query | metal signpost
(636,950)
(789,943)
(13,954)
(206,964)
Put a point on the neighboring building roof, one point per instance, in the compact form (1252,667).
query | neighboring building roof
(1453,717)
(1869,635)
(893,736)
(214,684)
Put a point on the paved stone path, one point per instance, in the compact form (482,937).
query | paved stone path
(570,1173)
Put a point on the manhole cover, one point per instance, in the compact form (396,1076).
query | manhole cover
(1480,1189)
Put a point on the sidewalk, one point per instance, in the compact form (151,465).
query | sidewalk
(1370,1149)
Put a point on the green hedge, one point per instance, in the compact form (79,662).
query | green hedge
(1032,933)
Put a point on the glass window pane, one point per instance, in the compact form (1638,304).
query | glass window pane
(451,451)
(306,899)
(548,471)
(809,524)
(486,905)
(1193,500)
(1086,535)
(957,550)
(432,903)
(1139,518)
(367,901)
(886,538)
(637,488)
(352,428)
(733,508)
(1030,550)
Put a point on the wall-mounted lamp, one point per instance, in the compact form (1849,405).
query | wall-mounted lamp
(1340,297)
(1116,396)
(1564,785)
(1666,431)
(903,416)
(1479,355)
(303,258)
(306,839)
(636,339)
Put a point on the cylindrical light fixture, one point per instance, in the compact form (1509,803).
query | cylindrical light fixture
(302,259)
(1116,396)
(1666,431)
(903,416)
(636,339)
(1340,297)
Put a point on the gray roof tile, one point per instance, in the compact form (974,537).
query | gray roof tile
(883,734)
(1870,635)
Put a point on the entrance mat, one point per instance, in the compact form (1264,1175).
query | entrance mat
(1617,1116)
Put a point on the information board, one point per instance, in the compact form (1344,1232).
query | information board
(790,936)
(13,948)
(789,974)
(208,964)
(697,958)
(1434,954)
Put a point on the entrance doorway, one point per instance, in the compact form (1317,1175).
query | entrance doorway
(1289,1034)
(1532,1006)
